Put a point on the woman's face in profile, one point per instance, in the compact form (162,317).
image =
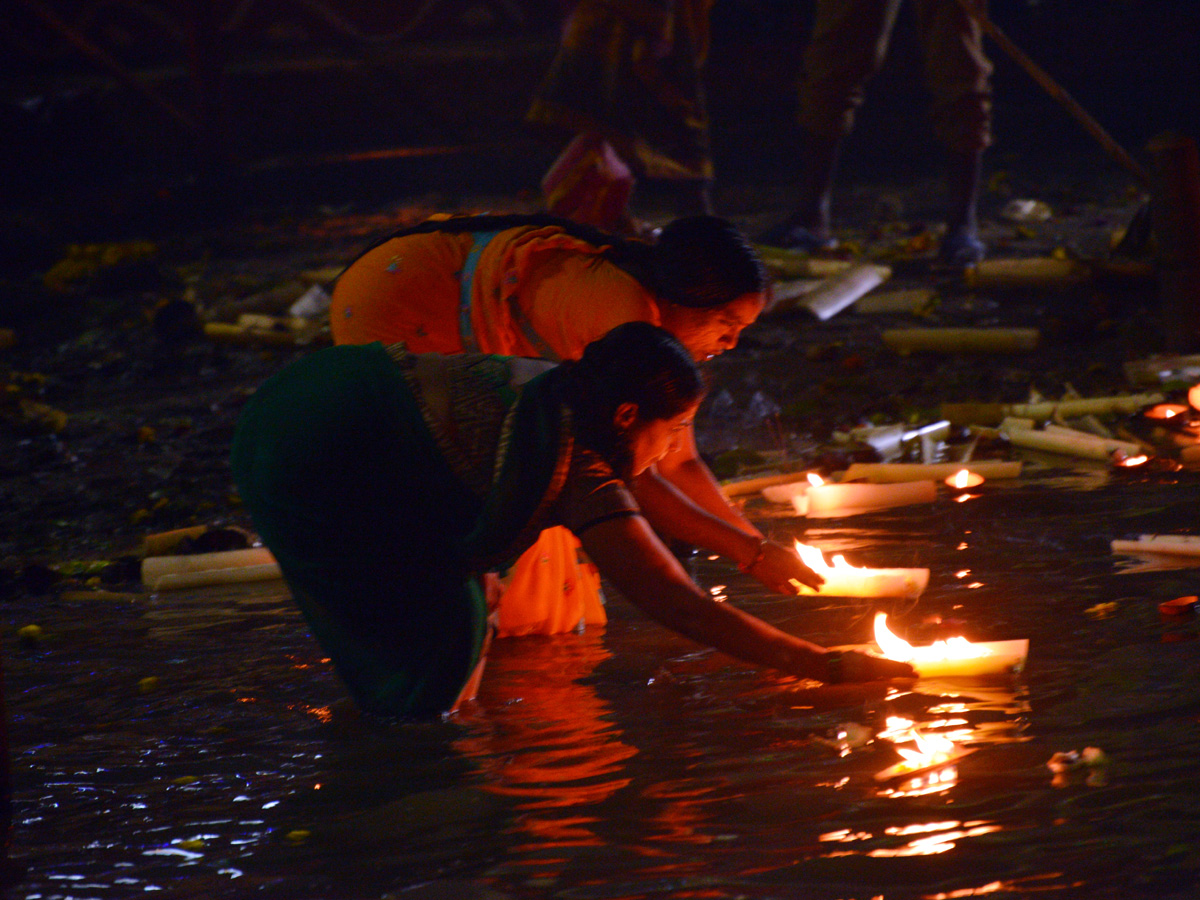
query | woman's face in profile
(653,439)
(710,332)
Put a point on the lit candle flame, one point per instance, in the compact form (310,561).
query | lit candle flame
(1134,460)
(1194,397)
(815,560)
(814,479)
(962,478)
(897,648)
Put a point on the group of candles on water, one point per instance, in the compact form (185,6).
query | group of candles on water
(929,763)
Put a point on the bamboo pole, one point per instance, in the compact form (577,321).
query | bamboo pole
(1057,92)
(882,473)
(994,413)
(161,573)
(961,340)
(99,56)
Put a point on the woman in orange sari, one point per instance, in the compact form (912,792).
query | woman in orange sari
(537,286)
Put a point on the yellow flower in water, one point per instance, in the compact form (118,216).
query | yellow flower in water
(1101,611)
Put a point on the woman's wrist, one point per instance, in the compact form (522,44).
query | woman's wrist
(760,551)
(834,667)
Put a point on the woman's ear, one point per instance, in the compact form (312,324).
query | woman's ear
(625,416)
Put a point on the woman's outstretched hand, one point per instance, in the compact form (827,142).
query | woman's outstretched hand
(857,666)
(780,570)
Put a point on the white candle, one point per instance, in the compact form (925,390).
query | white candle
(845,580)
(1177,544)
(951,658)
(836,293)
(825,500)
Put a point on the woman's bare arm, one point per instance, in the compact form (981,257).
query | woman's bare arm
(632,557)
(684,469)
(675,513)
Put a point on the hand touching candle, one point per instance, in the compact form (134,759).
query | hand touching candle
(781,570)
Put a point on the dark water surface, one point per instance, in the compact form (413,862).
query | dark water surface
(626,763)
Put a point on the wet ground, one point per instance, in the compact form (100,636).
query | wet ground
(611,764)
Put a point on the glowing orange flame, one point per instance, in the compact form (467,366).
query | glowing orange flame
(1133,460)
(815,560)
(1194,396)
(1167,410)
(814,479)
(897,648)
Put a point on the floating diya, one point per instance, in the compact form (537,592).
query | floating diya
(1180,607)
(964,479)
(1165,412)
(845,580)
(954,657)
(1144,463)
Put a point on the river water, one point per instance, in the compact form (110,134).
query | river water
(195,744)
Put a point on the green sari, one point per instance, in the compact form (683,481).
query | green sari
(378,529)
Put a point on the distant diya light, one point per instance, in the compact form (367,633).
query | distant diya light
(1143,463)
(962,481)
(954,657)
(1166,411)
(845,580)
(1126,461)
(1180,418)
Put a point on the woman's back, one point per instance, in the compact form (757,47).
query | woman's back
(531,290)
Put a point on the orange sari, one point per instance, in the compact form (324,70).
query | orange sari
(531,291)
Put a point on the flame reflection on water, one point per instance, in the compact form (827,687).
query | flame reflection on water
(624,762)
(928,838)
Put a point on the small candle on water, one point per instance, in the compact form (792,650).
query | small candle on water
(964,479)
(1165,411)
(845,580)
(954,657)
(825,500)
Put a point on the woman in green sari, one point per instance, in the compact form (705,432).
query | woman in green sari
(387,484)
